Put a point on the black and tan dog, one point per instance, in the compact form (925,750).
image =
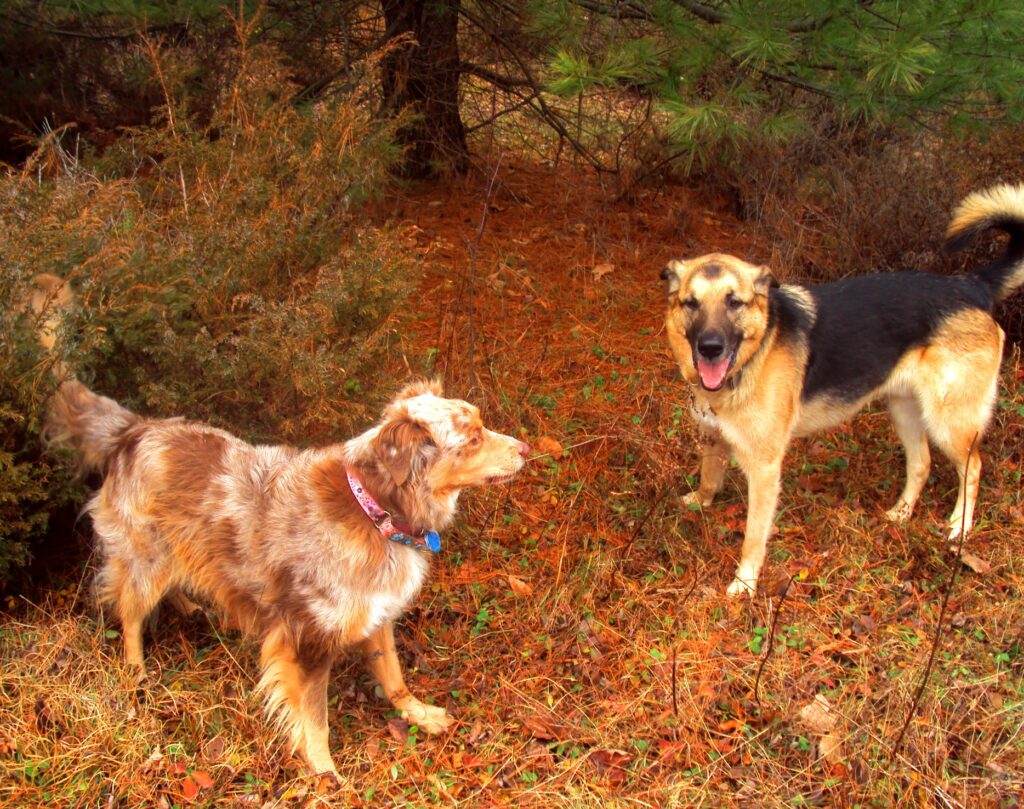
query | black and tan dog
(770,362)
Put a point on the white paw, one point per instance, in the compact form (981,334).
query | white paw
(956,527)
(694,500)
(741,587)
(900,512)
(432,718)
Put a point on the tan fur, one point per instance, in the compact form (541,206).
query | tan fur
(274,537)
(945,390)
(48,300)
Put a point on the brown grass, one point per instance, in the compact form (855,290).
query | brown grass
(576,624)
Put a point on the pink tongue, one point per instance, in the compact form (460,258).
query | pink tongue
(712,373)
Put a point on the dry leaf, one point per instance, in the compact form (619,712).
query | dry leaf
(540,729)
(153,762)
(548,445)
(399,730)
(203,779)
(590,634)
(519,587)
(811,483)
(476,732)
(326,784)
(189,789)
(602,270)
(41,716)
(830,748)
(611,763)
(975,563)
(214,749)
(817,715)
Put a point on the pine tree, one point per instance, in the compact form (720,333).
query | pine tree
(717,74)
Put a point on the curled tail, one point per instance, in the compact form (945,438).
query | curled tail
(88,423)
(1000,207)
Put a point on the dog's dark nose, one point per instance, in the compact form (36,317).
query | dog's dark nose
(711,346)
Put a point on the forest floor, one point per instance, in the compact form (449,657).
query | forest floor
(575,623)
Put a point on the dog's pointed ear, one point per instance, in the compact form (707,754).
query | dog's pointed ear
(670,274)
(765,280)
(401,446)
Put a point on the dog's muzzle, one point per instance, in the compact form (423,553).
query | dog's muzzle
(713,359)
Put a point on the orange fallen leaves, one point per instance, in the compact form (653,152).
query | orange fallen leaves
(611,764)
(519,587)
(548,446)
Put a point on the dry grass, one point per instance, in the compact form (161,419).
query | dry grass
(576,623)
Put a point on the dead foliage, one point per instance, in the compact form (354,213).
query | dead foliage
(575,624)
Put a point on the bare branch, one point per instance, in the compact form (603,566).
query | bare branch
(541,106)
(37,25)
(504,82)
(713,16)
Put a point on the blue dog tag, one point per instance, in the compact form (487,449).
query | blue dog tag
(433,541)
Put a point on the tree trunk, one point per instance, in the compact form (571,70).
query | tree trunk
(422,76)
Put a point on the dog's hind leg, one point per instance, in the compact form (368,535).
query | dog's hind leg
(962,450)
(956,381)
(182,603)
(714,461)
(907,420)
(133,593)
(382,660)
(294,683)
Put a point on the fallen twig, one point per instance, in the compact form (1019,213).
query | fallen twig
(771,641)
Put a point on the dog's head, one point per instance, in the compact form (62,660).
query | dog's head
(717,315)
(428,448)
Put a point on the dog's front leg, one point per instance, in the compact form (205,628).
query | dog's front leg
(713,463)
(763,495)
(294,684)
(382,660)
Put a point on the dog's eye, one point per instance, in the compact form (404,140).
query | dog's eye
(475,441)
(690,303)
(734,303)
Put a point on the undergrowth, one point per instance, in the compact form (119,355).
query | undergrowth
(222,272)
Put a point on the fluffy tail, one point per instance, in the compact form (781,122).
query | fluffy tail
(1000,207)
(88,423)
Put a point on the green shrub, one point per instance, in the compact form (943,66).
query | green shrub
(30,483)
(221,272)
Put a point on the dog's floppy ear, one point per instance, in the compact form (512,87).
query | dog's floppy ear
(400,446)
(670,273)
(765,280)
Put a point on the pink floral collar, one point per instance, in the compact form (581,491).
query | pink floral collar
(396,532)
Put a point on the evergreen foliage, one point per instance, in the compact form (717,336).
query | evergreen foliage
(720,74)
(727,73)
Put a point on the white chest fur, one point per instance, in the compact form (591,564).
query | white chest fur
(355,609)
